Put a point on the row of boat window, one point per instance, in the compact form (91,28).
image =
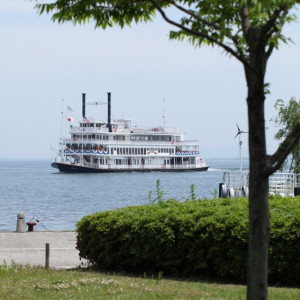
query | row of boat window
(137,161)
(76,137)
(118,150)
(124,151)
(140,161)
(143,161)
(92,124)
(120,137)
(140,151)
(128,161)
(151,138)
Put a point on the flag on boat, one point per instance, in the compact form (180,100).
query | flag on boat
(70,119)
(85,119)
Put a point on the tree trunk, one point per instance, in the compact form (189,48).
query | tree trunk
(257,267)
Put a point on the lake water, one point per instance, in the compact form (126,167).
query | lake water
(60,200)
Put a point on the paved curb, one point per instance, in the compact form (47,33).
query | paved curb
(29,248)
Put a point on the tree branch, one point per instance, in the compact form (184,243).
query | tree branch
(276,160)
(209,24)
(199,34)
(275,31)
(270,50)
(271,22)
(192,14)
(245,21)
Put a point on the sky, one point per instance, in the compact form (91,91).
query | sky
(44,63)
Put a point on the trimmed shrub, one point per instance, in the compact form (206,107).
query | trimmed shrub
(200,238)
(284,246)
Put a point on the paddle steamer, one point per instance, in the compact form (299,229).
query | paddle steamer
(96,146)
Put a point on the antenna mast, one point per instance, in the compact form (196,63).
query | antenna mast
(240,152)
(62,132)
(164,116)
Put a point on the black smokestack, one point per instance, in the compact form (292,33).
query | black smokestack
(109,112)
(83,106)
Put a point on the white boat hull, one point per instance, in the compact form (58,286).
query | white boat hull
(74,168)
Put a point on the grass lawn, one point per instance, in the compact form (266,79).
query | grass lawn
(19,282)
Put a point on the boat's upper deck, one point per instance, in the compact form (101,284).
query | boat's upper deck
(120,125)
(94,131)
(123,127)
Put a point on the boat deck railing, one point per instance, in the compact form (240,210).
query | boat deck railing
(103,129)
(130,143)
(127,167)
(236,184)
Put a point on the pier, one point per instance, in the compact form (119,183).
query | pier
(236,184)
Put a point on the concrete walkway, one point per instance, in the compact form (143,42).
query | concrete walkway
(29,248)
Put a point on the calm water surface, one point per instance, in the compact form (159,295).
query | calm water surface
(60,200)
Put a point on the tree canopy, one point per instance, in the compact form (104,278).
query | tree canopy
(231,24)
(288,115)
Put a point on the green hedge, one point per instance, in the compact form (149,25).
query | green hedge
(200,238)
